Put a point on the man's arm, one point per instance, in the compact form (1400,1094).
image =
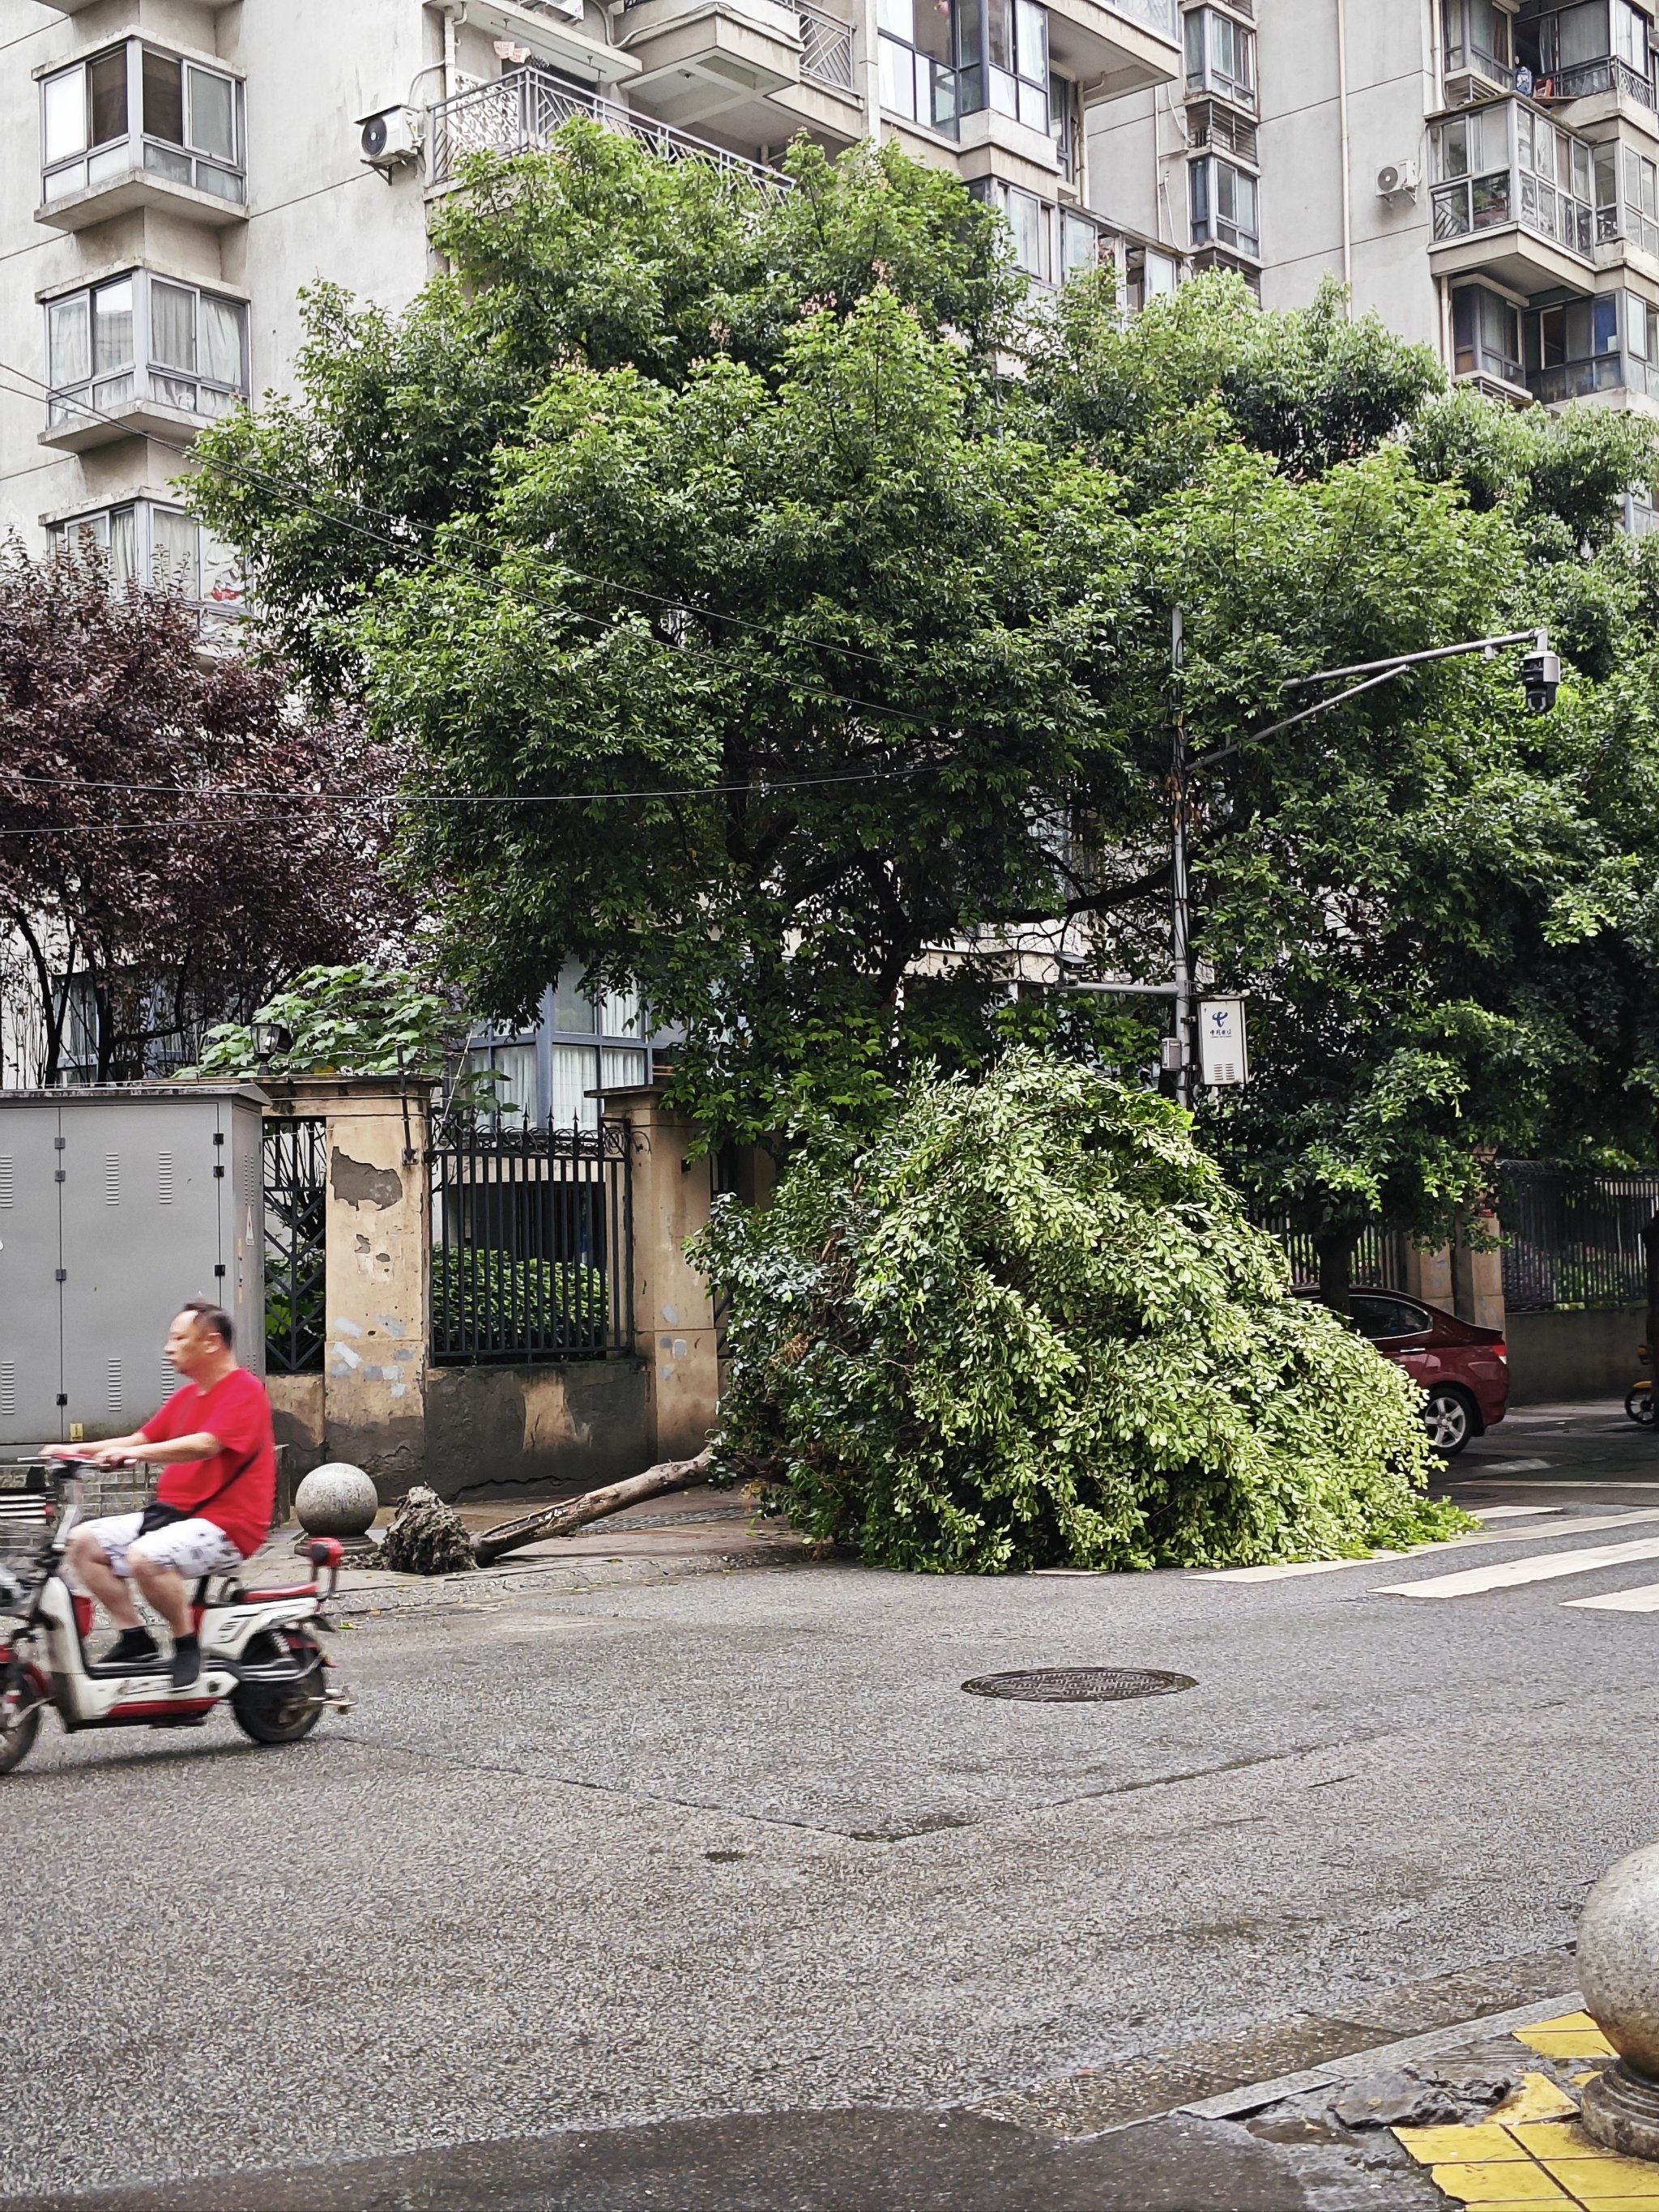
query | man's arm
(139,1451)
(99,1455)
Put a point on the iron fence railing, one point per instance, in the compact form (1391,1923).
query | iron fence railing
(1608,73)
(518,112)
(826,47)
(1379,1258)
(533,1243)
(1573,1240)
(296,1170)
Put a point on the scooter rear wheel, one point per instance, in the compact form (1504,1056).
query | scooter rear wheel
(283,1711)
(18,1735)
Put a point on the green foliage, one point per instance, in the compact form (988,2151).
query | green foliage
(482,1296)
(1030,1325)
(356,1020)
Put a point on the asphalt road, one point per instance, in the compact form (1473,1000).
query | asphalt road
(720,1893)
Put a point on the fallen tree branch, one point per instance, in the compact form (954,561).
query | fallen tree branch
(562,1520)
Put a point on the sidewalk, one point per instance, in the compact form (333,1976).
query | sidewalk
(693,1532)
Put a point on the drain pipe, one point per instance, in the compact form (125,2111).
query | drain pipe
(1342,105)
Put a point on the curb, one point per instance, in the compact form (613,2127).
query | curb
(565,1578)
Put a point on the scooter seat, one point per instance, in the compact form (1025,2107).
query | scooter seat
(273,1596)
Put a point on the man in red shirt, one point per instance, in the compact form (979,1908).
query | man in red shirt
(213,1504)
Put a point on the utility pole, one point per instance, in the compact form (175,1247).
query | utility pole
(1183,929)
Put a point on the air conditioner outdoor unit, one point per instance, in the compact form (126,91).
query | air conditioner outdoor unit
(389,139)
(1398,180)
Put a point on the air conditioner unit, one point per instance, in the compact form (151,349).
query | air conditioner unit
(389,139)
(1398,180)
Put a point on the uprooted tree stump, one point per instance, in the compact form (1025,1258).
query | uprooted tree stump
(427,1537)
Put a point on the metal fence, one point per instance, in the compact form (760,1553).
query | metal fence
(1379,1259)
(518,112)
(297,1168)
(532,1245)
(826,47)
(1572,1240)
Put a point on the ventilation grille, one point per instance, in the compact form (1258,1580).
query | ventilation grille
(111,1178)
(7,1393)
(164,1178)
(112,1382)
(8,1180)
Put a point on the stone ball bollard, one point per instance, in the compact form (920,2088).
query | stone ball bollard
(1619,1974)
(336,1500)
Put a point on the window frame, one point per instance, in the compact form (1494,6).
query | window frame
(149,379)
(1208,74)
(138,150)
(220,601)
(1210,226)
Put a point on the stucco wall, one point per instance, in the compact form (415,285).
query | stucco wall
(578,1423)
(1556,1356)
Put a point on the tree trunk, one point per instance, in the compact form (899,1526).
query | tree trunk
(1335,1251)
(592,1505)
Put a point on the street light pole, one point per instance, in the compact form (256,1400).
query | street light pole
(1182,915)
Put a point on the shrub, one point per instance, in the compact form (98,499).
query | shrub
(1030,1325)
(490,1297)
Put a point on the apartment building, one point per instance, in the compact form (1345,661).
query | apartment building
(1485,174)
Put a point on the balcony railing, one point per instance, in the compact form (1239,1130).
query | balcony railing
(1609,74)
(1576,379)
(1158,15)
(826,47)
(519,112)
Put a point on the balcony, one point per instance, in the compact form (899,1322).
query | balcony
(826,48)
(1609,74)
(1513,196)
(1116,45)
(522,112)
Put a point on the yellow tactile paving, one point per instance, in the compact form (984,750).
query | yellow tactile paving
(1552,2139)
(1574,2035)
(1464,2145)
(1537,2099)
(1522,2181)
(1593,2180)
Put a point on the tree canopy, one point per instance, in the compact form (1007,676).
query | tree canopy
(783,606)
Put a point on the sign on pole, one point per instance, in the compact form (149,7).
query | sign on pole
(1223,1053)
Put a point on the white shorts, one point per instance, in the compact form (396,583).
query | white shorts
(191,1548)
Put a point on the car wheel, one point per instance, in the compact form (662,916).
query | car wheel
(1450,1420)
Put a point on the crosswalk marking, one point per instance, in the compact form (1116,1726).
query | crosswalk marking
(1588,1527)
(1645,1600)
(1472,1580)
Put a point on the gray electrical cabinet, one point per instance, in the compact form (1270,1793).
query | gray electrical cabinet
(116,1206)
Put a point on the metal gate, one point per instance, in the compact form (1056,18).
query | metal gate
(296,1166)
(1573,1240)
(532,1245)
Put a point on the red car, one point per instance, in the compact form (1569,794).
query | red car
(1465,1369)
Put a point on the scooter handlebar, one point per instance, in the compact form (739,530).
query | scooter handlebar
(327,1552)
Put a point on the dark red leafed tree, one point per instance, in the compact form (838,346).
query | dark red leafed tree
(176,836)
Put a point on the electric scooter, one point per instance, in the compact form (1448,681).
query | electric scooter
(260,1653)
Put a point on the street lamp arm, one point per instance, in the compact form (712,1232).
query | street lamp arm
(1307,713)
(1416,659)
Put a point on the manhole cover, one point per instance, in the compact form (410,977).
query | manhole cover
(1080,1685)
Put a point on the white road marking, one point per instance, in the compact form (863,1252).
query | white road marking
(1474,1580)
(1589,1526)
(1510,1512)
(1507,1465)
(1645,1600)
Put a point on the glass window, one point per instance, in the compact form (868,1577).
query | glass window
(621,1070)
(1605,335)
(212,114)
(68,340)
(172,325)
(164,98)
(220,340)
(1025,219)
(1225,206)
(619,1014)
(65,116)
(1080,245)
(573,1010)
(575,1070)
(111,326)
(107,79)
(178,553)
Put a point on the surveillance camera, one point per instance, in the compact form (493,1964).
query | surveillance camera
(1540,677)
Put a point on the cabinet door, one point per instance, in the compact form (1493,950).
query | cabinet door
(31,1302)
(141,1235)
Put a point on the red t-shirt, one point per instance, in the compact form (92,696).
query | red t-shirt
(237,1411)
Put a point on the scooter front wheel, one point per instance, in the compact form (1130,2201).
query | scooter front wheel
(1638,1405)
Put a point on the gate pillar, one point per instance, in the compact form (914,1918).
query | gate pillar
(674,1331)
(377,1270)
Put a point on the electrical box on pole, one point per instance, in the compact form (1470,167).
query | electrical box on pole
(117,1204)
(1223,1046)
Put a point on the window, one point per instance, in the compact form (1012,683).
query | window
(146,542)
(1225,207)
(189,123)
(1572,349)
(1641,209)
(915,51)
(1004,53)
(1485,335)
(1220,56)
(613,1055)
(1383,1318)
(1477,37)
(143,337)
